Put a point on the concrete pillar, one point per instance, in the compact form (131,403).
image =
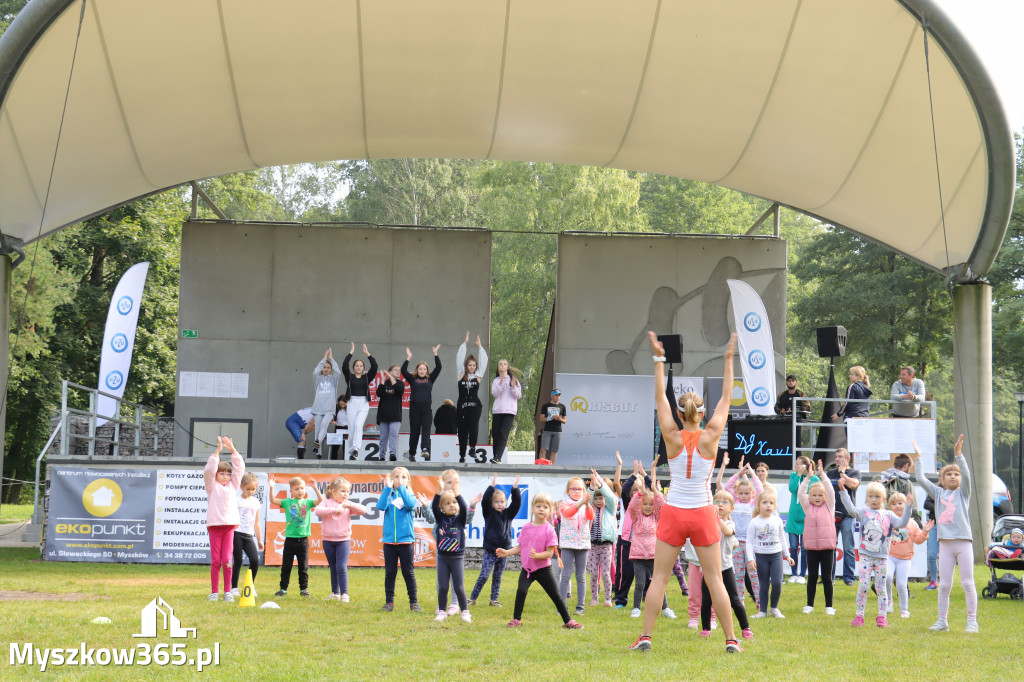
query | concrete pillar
(972,399)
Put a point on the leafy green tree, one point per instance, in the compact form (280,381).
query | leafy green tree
(409,192)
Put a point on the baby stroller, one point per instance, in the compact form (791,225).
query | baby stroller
(1008,583)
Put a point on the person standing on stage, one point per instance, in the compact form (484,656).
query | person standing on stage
(507,390)
(421,386)
(358,382)
(469,405)
(552,415)
(325,385)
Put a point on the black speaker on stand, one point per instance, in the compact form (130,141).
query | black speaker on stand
(673,344)
(831,341)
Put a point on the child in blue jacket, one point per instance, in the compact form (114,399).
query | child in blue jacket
(397,502)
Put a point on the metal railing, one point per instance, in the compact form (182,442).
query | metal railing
(797,423)
(143,417)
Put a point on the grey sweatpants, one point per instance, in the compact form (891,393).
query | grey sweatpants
(574,561)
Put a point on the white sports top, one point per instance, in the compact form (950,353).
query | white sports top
(690,487)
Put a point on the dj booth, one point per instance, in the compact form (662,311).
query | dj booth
(763,439)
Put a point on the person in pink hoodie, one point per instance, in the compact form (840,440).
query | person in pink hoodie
(335,512)
(222,480)
(818,501)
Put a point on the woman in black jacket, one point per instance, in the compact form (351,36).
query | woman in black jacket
(859,389)
(420,388)
(390,392)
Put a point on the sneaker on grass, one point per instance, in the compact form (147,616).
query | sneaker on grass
(808,609)
(643,643)
(635,613)
(229,597)
(573,625)
(939,626)
(441,616)
(214,597)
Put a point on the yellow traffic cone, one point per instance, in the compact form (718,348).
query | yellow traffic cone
(248,598)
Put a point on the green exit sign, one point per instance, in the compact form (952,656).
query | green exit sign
(190,333)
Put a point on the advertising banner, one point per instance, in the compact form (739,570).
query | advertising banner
(605,413)
(119,338)
(130,515)
(754,346)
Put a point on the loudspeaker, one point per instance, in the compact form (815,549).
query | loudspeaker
(831,341)
(673,347)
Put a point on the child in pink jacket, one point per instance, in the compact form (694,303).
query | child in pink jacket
(818,501)
(336,512)
(222,481)
(645,511)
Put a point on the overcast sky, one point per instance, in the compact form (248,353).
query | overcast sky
(996,30)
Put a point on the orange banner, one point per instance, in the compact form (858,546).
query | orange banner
(366,547)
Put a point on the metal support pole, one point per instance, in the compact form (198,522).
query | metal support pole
(1020,462)
(65,445)
(138,430)
(92,425)
(116,448)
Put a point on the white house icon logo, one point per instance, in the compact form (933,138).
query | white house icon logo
(170,621)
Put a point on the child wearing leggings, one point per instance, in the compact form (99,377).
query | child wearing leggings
(955,535)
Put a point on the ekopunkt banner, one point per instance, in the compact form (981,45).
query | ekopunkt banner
(130,515)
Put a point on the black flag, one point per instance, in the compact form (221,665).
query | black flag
(830,438)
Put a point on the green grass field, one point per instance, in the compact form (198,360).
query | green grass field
(309,638)
(15,513)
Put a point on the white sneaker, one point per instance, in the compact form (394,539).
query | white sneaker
(714,625)
(635,613)
(801,580)
(760,614)
(808,609)
(791,579)
(972,626)
(235,592)
(904,614)
(214,597)
(693,624)
(229,597)
(333,597)
(939,626)
(668,613)
(441,616)
(829,611)
(890,609)
(777,614)
(344,598)
(453,609)
(466,618)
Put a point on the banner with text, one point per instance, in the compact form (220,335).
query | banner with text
(605,413)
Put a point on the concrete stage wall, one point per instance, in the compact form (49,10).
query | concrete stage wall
(612,289)
(267,300)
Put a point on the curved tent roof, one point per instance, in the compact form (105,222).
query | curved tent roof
(822,106)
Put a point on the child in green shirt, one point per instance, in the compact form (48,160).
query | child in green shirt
(298,516)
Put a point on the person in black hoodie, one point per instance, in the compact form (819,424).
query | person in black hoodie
(497,533)
(390,392)
(420,388)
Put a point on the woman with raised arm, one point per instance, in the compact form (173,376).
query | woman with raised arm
(689,512)
(472,370)
(325,386)
(421,385)
(507,390)
(358,382)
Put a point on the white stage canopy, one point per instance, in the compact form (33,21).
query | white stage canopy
(820,105)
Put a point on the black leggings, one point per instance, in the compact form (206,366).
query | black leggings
(451,568)
(546,577)
(826,559)
(393,554)
(729,578)
(623,572)
(469,427)
(769,575)
(501,426)
(419,427)
(244,543)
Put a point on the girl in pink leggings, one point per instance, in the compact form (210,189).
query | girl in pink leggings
(222,481)
(954,528)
